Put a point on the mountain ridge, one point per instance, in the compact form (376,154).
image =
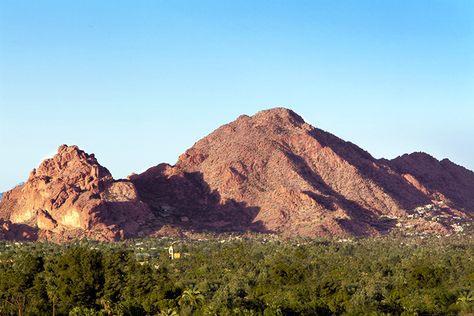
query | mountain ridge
(271,172)
(312,156)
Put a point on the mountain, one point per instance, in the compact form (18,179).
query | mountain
(3,193)
(443,181)
(72,195)
(271,172)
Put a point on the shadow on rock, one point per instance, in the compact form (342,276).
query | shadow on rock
(406,195)
(362,217)
(21,232)
(186,200)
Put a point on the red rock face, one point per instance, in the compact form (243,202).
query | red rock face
(274,172)
(72,195)
(443,181)
(271,172)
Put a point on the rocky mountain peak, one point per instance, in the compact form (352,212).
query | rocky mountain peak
(269,172)
(72,163)
(274,172)
(71,193)
(279,116)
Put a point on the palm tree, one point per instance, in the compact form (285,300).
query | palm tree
(191,297)
(106,305)
(465,299)
(168,312)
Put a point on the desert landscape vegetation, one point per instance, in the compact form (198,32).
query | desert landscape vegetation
(266,216)
(240,275)
(247,158)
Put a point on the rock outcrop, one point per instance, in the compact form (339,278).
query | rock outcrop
(270,172)
(443,181)
(72,195)
(274,172)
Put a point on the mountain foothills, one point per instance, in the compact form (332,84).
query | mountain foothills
(270,172)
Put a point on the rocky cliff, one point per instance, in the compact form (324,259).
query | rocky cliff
(270,172)
(274,172)
(72,195)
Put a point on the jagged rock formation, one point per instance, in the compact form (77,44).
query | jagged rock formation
(271,172)
(72,195)
(274,172)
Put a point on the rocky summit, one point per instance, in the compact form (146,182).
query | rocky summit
(71,195)
(271,172)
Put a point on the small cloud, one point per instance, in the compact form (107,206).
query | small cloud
(48,156)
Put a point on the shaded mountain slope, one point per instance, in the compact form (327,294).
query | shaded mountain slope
(444,181)
(274,172)
(270,172)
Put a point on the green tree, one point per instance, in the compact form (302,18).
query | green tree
(75,279)
(191,297)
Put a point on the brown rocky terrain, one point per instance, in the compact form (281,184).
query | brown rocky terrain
(443,181)
(271,172)
(72,195)
(274,172)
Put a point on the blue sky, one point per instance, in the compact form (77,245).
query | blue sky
(138,82)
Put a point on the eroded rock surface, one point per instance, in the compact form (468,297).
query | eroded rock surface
(274,172)
(270,172)
(71,194)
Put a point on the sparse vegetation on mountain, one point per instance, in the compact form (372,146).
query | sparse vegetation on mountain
(270,173)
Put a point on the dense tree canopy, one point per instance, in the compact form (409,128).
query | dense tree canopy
(262,275)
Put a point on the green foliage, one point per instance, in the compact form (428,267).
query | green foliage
(75,279)
(237,276)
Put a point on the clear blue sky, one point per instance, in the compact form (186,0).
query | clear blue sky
(138,82)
